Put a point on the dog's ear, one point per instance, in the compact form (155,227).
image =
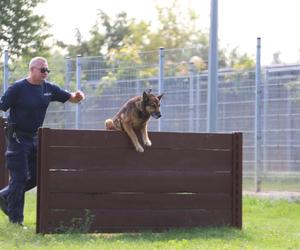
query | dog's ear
(160,96)
(145,97)
(149,91)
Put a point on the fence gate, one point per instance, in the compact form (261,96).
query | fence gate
(96,181)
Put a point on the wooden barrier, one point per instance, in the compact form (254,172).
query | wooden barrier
(97,179)
(3,170)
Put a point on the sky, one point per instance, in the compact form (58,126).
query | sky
(240,22)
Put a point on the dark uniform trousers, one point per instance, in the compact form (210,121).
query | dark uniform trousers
(21,159)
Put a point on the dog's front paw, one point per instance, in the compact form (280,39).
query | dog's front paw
(139,148)
(148,143)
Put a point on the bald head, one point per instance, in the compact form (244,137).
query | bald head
(37,62)
(38,70)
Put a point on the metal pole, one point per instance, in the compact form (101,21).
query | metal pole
(138,90)
(68,77)
(258,121)
(5,75)
(265,89)
(78,87)
(198,101)
(191,98)
(161,80)
(213,69)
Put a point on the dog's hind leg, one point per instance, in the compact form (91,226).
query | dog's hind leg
(130,132)
(145,136)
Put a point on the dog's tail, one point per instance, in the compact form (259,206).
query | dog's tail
(109,124)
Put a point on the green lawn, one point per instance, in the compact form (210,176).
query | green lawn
(267,224)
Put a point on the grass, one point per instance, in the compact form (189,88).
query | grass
(267,224)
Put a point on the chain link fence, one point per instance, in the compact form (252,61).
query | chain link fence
(109,83)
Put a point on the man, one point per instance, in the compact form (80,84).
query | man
(27,101)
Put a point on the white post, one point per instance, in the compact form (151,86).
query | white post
(191,98)
(78,86)
(258,121)
(161,81)
(212,87)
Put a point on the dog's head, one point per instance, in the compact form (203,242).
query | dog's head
(152,104)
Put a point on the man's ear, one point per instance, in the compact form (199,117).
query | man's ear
(145,96)
(160,96)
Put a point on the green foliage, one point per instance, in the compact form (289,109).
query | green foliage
(78,225)
(106,34)
(57,66)
(20,30)
(238,61)
(116,41)
(122,60)
(176,29)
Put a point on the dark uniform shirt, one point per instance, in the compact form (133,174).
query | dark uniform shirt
(28,103)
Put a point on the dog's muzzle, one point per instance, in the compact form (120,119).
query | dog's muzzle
(156,115)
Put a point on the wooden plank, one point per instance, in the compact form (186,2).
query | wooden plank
(132,220)
(128,201)
(42,182)
(116,139)
(237,180)
(139,181)
(126,158)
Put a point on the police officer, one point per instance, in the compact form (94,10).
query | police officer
(27,101)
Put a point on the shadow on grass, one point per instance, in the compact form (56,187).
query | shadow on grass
(224,233)
(148,236)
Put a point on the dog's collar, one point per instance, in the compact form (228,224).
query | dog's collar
(142,113)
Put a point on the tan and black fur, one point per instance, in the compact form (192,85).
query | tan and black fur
(134,116)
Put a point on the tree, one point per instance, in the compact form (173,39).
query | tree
(239,61)
(106,34)
(110,38)
(20,30)
(176,29)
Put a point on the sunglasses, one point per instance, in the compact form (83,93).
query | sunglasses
(44,70)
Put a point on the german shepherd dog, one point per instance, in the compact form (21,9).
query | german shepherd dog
(134,116)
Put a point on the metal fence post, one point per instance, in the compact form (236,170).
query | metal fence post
(78,87)
(138,90)
(197,101)
(265,118)
(68,78)
(258,121)
(212,94)
(5,75)
(161,81)
(191,97)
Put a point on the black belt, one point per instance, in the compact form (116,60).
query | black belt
(25,134)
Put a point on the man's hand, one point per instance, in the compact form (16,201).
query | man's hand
(77,96)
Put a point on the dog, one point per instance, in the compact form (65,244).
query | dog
(134,116)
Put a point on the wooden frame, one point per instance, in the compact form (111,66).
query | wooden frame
(96,179)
